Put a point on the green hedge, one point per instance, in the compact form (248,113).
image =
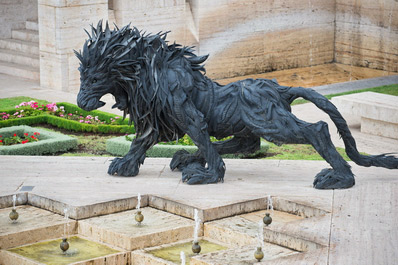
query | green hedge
(49,142)
(71,124)
(119,146)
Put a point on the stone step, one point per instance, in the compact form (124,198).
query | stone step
(19,70)
(32,25)
(18,57)
(20,45)
(25,35)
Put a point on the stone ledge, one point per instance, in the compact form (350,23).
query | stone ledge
(378,112)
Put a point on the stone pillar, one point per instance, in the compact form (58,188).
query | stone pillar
(367,33)
(153,16)
(61,24)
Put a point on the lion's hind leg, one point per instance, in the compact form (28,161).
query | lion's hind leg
(340,175)
(294,131)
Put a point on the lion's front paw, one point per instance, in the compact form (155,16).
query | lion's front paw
(330,179)
(123,167)
(195,173)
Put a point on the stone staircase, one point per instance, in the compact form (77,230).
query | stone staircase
(19,56)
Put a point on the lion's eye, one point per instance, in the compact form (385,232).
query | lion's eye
(94,81)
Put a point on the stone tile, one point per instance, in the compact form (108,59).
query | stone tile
(33,225)
(121,230)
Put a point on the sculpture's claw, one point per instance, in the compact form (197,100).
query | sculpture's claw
(183,158)
(330,179)
(195,173)
(123,167)
(178,159)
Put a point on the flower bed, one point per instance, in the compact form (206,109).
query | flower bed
(119,146)
(64,115)
(48,142)
(18,139)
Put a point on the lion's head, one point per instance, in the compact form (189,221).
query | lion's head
(132,66)
(105,67)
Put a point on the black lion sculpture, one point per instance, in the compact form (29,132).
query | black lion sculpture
(163,89)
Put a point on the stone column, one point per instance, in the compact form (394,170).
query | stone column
(61,24)
(153,16)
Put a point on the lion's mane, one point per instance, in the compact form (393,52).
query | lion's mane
(136,61)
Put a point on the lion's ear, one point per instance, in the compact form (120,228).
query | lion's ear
(156,44)
(78,55)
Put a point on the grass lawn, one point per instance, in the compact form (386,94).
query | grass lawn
(10,103)
(90,144)
(298,152)
(389,90)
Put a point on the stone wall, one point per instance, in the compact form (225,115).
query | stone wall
(61,25)
(154,16)
(246,36)
(14,13)
(367,33)
(241,36)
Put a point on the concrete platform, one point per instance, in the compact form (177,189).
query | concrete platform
(360,228)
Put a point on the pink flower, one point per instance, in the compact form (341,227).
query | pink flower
(41,109)
(19,116)
(87,122)
(116,118)
(61,115)
(89,117)
(16,113)
(52,107)
(81,121)
(70,114)
(16,106)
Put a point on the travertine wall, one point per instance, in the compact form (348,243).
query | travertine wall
(367,33)
(245,36)
(14,13)
(153,16)
(241,36)
(61,31)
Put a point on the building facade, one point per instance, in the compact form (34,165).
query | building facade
(37,37)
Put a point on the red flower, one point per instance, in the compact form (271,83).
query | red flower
(1,141)
(25,141)
(33,137)
(15,134)
(36,133)
(26,134)
(1,135)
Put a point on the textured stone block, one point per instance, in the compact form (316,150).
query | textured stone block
(33,225)
(121,229)
(378,112)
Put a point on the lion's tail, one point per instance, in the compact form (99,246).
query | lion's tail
(383,160)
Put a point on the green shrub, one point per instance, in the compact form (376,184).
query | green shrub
(49,142)
(119,146)
(118,126)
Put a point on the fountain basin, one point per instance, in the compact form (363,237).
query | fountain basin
(121,229)
(81,251)
(170,253)
(33,225)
